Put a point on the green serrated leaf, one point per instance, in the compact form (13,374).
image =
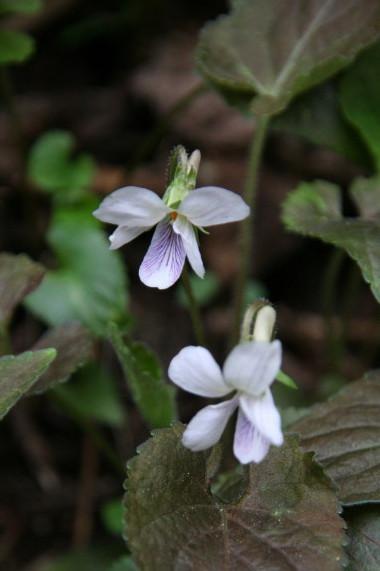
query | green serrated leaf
(21,6)
(314,209)
(288,514)
(19,275)
(317,117)
(19,373)
(344,434)
(53,168)
(92,395)
(90,285)
(269,51)
(74,348)
(360,99)
(152,394)
(364,534)
(15,47)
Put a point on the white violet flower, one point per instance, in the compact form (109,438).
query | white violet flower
(178,215)
(249,370)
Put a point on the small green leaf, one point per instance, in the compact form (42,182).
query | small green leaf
(314,209)
(53,168)
(344,433)
(112,516)
(92,395)
(19,373)
(364,534)
(90,284)
(74,348)
(269,51)
(204,289)
(360,98)
(286,380)
(287,518)
(15,47)
(22,6)
(317,117)
(19,275)
(152,394)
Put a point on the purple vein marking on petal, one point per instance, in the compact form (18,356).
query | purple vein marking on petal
(165,257)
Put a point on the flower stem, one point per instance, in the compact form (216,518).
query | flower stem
(249,195)
(193,308)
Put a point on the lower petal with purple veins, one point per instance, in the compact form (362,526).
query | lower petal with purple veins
(163,263)
(249,444)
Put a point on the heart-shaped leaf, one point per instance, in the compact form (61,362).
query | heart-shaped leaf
(364,533)
(19,275)
(270,50)
(74,348)
(19,373)
(360,98)
(344,433)
(15,47)
(314,209)
(90,284)
(287,518)
(146,380)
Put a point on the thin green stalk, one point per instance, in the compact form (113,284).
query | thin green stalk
(149,144)
(193,308)
(249,195)
(334,339)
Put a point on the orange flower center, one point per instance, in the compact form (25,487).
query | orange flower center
(173,215)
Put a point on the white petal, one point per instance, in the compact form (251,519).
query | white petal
(195,370)
(263,414)
(212,205)
(264,324)
(132,206)
(124,234)
(163,263)
(252,367)
(249,444)
(207,426)
(183,227)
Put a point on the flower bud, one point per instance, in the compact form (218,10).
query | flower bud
(194,162)
(259,322)
(182,175)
